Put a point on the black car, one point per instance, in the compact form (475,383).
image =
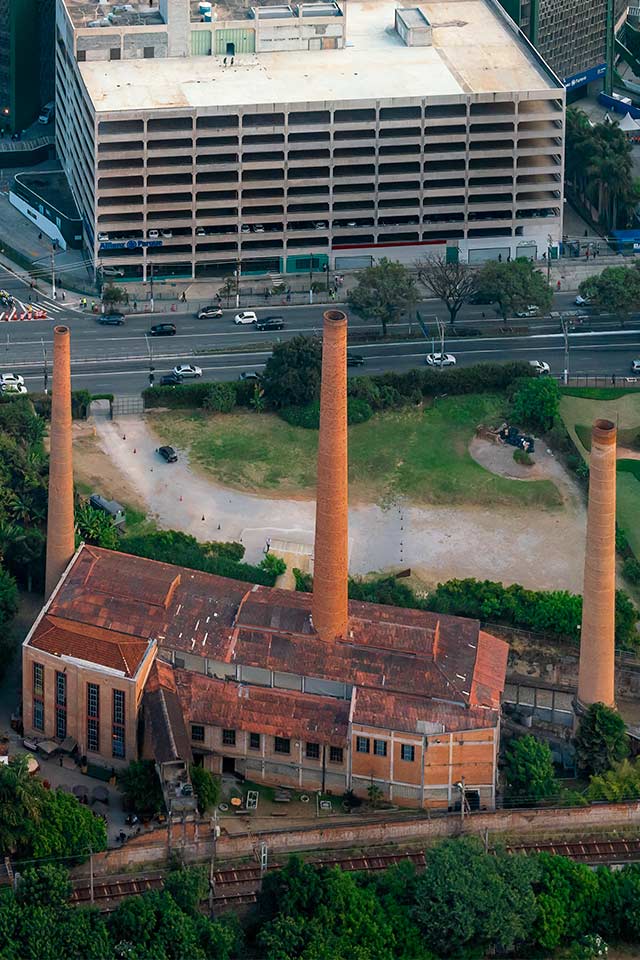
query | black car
(170,379)
(168,454)
(163,330)
(480,299)
(355,360)
(270,323)
(111,319)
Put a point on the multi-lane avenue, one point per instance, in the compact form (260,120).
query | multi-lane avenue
(117,359)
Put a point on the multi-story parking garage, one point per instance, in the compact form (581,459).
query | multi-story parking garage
(318,135)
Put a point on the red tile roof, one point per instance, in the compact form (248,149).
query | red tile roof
(378,708)
(278,713)
(93,644)
(400,652)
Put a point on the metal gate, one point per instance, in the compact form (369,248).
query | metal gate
(126,406)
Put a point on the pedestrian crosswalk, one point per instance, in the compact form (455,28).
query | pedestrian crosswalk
(36,309)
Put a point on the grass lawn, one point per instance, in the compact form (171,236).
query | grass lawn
(578,413)
(420,454)
(598,393)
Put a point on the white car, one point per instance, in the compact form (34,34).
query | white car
(201,232)
(258,228)
(540,366)
(13,388)
(441,359)
(153,234)
(247,316)
(103,237)
(13,379)
(167,234)
(320,225)
(582,301)
(187,370)
(635,366)
(529,311)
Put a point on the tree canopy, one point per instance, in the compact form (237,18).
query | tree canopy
(514,285)
(535,402)
(141,787)
(599,169)
(601,739)
(292,373)
(384,293)
(615,289)
(452,282)
(96,527)
(528,770)
(36,822)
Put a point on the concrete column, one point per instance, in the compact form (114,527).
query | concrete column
(597,639)
(60,519)
(331,560)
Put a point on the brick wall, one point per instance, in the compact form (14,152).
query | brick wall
(194,841)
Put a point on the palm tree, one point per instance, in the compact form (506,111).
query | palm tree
(10,535)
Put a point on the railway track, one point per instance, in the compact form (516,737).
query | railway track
(236,886)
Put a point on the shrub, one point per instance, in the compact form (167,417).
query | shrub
(631,570)
(601,739)
(80,403)
(304,581)
(536,402)
(221,398)
(183,396)
(173,546)
(622,543)
(273,564)
(358,411)
(523,458)
(206,788)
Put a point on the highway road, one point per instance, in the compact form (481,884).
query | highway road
(117,359)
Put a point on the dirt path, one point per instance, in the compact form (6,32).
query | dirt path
(536,548)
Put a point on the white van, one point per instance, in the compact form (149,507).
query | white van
(46,113)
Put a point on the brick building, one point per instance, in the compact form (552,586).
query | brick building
(406,699)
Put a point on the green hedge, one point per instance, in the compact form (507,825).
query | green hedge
(173,546)
(555,612)
(380,392)
(80,403)
(388,591)
(358,411)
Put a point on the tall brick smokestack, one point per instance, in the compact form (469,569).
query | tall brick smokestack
(60,521)
(597,640)
(331,560)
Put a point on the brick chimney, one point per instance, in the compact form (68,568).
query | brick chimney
(597,639)
(60,520)
(331,555)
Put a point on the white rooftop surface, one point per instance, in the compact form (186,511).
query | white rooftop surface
(473,52)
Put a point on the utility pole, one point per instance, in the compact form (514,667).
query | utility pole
(53,271)
(310,278)
(151,366)
(565,333)
(44,363)
(237,273)
(151,285)
(212,863)
(91,889)
(463,798)
(549,242)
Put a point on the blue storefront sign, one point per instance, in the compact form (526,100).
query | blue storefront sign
(585,76)
(129,244)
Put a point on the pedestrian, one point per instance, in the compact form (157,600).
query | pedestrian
(586,253)
(224,62)
(40,236)
(183,296)
(508,258)
(55,295)
(135,305)
(63,296)
(268,546)
(558,285)
(484,316)
(499,258)
(231,61)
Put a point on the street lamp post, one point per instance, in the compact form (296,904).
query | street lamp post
(549,242)
(310,278)
(463,798)
(237,276)
(565,333)
(44,365)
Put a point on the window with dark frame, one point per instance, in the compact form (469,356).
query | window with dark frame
(118,734)
(93,717)
(282,744)
(197,733)
(149,53)
(114,53)
(407,752)
(81,56)
(313,751)
(336,755)
(254,741)
(38,696)
(362,744)
(229,738)
(61,705)
(380,748)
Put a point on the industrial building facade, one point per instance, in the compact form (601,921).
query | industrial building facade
(307,137)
